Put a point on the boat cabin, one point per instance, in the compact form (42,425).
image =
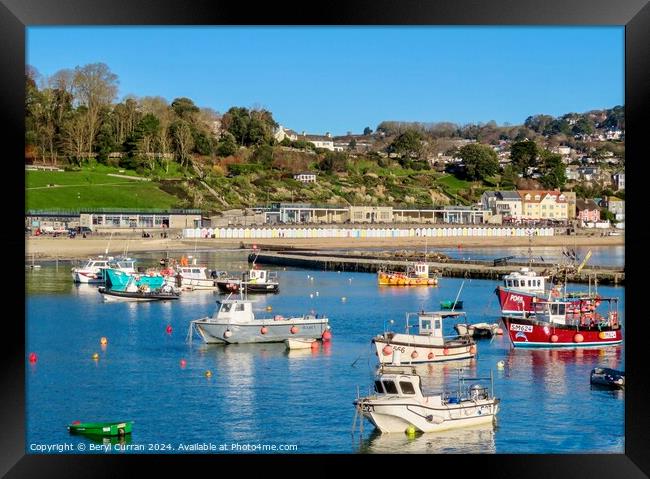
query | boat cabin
(551,311)
(193,272)
(260,276)
(124,264)
(234,311)
(525,280)
(431,323)
(98,263)
(399,385)
(421,270)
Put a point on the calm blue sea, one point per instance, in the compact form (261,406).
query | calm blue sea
(261,396)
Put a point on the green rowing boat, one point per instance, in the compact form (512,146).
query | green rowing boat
(101,428)
(449,304)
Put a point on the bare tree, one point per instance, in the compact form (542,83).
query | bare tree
(183,140)
(75,135)
(95,86)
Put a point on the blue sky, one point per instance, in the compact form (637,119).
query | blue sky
(340,79)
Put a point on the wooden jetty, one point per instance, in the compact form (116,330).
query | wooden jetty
(449,267)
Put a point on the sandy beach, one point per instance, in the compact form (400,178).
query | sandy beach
(44,248)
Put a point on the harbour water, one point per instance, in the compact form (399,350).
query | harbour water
(261,396)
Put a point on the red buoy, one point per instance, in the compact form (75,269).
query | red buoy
(264,330)
(414,354)
(578,338)
(472,349)
(327,336)
(294,329)
(387,350)
(431,355)
(169,329)
(76,422)
(314,345)
(500,331)
(554,338)
(183,363)
(445,351)
(33,358)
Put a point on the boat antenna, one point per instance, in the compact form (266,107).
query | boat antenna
(453,306)
(109,243)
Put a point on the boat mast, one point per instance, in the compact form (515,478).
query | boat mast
(109,244)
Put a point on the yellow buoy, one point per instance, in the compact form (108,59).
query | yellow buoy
(95,356)
(410,431)
(208,373)
(103,341)
(269,308)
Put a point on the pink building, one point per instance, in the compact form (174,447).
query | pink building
(587,211)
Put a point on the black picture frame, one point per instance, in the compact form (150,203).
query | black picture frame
(15,15)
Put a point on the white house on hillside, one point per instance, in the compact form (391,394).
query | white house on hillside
(305,177)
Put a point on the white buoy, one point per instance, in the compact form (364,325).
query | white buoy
(344,298)
(316,293)
(311,295)
(501,364)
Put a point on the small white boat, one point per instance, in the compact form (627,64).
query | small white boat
(399,405)
(477,330)
(92,271)
(194,277)
(299,343)
(234,322)
(429,345)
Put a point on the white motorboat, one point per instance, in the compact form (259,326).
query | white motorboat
(428,345)
(399,405)
(234,322)
(477,330)
(194,277)
(299,343)
(92,271)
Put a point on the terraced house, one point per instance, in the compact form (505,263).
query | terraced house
(544,204)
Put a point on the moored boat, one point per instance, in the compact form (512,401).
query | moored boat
(254,281)
(234,322)
(477,330)
(554,325)
(429,345)
(609,378)
(137,288)
(418,274)
(400,405)
(299,343)
(101,428)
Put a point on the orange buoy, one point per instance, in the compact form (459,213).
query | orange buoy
(294,329)
(33,358)
(472,349)
(314,345)
(414,354)
(327,336)
(431,355)
(602,335)
(499,331)
(445,351)
(554,338)
(168,329)
(264,330)
(387,350)
(578,338)
(183,363)
(103,341)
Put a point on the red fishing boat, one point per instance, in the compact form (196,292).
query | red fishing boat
(559,324)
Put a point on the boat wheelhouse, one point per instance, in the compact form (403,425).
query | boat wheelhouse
(234,322)
(399,404)
(429,345)
(91,272)
(418,274)
(518,290)
(559,324)
(194,277)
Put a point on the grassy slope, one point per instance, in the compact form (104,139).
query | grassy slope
(92,189)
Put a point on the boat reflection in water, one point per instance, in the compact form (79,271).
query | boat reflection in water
(474,440)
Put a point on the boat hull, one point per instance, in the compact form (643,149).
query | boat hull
(114,296)
(259,330)
(88,277)
(402,352)
(234,286)
(397,279)
(396,416)
(194,283)
(101,429)
(528,333)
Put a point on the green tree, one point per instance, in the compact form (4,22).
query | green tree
(263,155)
(554,171)
(407,145)
(352,145)
(236,121)
(524,154)
(480,161)
(227,145)
(367,131)
(334,161)
(584,126)
(185,109)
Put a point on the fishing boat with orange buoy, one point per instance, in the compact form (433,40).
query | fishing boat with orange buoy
(429,345)
(418,274)
(234,322)
(559,324)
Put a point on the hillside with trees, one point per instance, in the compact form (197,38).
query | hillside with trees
(197,157)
